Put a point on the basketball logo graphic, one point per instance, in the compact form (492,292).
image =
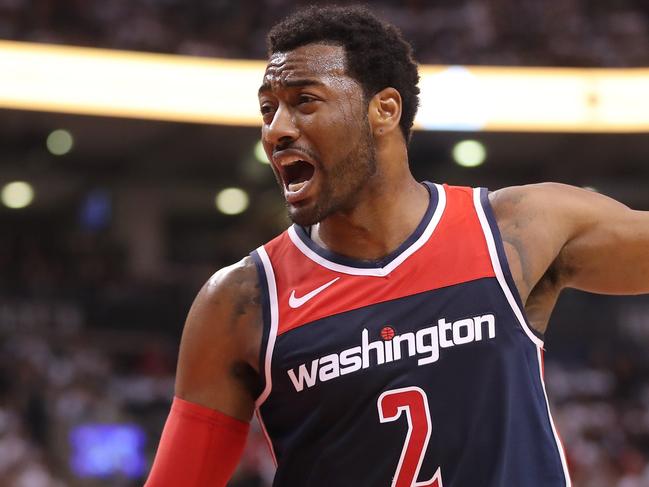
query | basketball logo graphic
(387,333)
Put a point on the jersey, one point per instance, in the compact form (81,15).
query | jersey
(419,369)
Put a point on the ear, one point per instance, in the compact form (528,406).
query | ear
(384,112)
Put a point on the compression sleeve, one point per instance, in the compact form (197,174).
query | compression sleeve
(199,447)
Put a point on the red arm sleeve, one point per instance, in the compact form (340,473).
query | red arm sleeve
(200,447)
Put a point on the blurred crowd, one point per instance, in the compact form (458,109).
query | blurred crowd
(501,32)
(71,356)
(55,379)
(602,415)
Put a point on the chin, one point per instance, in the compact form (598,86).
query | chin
(305,216)
(302,219)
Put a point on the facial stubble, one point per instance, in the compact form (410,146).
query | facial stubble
(342,183)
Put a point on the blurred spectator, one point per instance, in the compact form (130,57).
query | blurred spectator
(503,32)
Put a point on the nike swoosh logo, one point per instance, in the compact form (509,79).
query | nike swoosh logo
(295,302)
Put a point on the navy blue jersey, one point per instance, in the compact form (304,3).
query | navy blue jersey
(416,370)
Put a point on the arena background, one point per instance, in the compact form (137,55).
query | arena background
(109,225)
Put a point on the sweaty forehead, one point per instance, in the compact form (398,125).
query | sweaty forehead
(313,61)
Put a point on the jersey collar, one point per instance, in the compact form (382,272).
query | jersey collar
(381,267)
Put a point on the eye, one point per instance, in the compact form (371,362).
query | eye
(305,99)
(265,108)
(267,112)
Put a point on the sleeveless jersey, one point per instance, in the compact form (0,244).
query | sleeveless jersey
(419,369)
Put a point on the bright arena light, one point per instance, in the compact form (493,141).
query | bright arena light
(260,153)
(232,201)
(130,84)
(17,194)
(59,142)
(469,153)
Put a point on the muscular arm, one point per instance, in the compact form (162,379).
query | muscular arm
(559,236)
(217,382)
(219,349)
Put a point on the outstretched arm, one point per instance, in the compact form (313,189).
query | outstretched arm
(607,244)
(559,236)
(216,383)
(586,240)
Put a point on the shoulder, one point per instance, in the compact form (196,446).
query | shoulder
(514,199)
(219,349)
(233,285)
(226,314)
(565,209)
(523,210)
(535,222)
(228,305)
(541,223)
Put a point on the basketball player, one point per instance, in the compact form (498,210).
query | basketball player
(393,336)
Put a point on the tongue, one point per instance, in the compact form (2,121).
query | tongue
(295,187)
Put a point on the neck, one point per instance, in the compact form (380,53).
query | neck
(391,206)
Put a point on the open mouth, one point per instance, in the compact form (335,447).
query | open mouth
(297,175)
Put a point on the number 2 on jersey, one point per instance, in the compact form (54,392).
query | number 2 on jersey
(412,401)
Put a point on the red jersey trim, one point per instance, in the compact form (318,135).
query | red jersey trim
(451,250)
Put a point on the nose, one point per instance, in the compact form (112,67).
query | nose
(283,129)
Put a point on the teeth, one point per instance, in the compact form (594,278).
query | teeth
(295,187)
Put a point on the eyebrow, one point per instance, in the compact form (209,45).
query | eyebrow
(292,83)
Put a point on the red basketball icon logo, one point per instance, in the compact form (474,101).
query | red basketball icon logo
(387,333)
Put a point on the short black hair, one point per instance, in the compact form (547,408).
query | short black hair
(377,55)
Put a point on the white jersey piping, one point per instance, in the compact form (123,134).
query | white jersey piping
(486,229)
(562,452)
(270,346)
(376,271)
(495,262)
